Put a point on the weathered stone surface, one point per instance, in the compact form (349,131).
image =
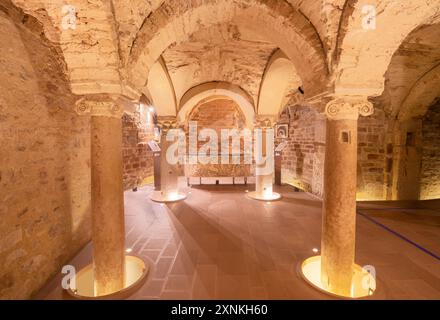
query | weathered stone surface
(220,53)
(44,162)
(430,171)
(137,157)
(217,115)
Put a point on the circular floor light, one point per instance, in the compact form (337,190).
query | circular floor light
(363,283)
(136,271)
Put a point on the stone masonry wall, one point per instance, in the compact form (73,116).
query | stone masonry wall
(137,156)
(44,162)
(373,155)
(430,173)
(303,158)
(218,114)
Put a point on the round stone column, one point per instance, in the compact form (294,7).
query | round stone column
(337,261)
(107,204)
(264,166)
(339,207)
(108,270)
(169,172)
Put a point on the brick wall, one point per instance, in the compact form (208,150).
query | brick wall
(372,156)
(137,156)
(430,171)
(303,158)
(44,162)
(218,114)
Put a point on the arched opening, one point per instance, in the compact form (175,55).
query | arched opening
(411,88)
(299,40)
(220,115)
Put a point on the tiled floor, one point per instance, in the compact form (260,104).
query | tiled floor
(219,244)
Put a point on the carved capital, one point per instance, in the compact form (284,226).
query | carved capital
(348,109)
(264,121)
(100,106)
(167,123)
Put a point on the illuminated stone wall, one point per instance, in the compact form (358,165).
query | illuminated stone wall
(372,156)
(44,162)
(218,114)
(137,156)
(430,172)
(303,159)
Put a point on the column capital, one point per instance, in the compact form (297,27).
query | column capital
(348,108)
(101,106)
(264,121)
(166,123)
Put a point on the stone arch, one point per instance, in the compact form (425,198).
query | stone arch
(278,21)
(90,48)
(214,90)
(280,76)
(421,96)
(161,89)
(358,49)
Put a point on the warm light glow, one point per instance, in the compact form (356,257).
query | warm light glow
(262,197)
(315,250)
(363,284)
(135,271)
(128,250)
(171,196)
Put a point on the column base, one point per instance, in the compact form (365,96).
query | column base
(270,197)
(159,196)
(363,284)
(136,271)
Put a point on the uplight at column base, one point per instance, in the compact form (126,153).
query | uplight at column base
(135,275)
(163,197)
(363,284)
(269,197)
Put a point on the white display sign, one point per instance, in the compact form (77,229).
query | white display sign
(281,146)
(153,146)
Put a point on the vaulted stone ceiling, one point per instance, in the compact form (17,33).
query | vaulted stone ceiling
(130,15)
(117,43)
(221,53)
(416,58)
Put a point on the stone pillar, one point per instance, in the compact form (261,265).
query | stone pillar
(264,171)
(108,228)
(340,180)
(169,172)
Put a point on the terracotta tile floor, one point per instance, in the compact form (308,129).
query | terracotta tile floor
(218,244)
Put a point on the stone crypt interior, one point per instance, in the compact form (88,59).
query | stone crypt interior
(88,89)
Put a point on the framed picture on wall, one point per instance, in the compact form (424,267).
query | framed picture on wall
(282,131)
